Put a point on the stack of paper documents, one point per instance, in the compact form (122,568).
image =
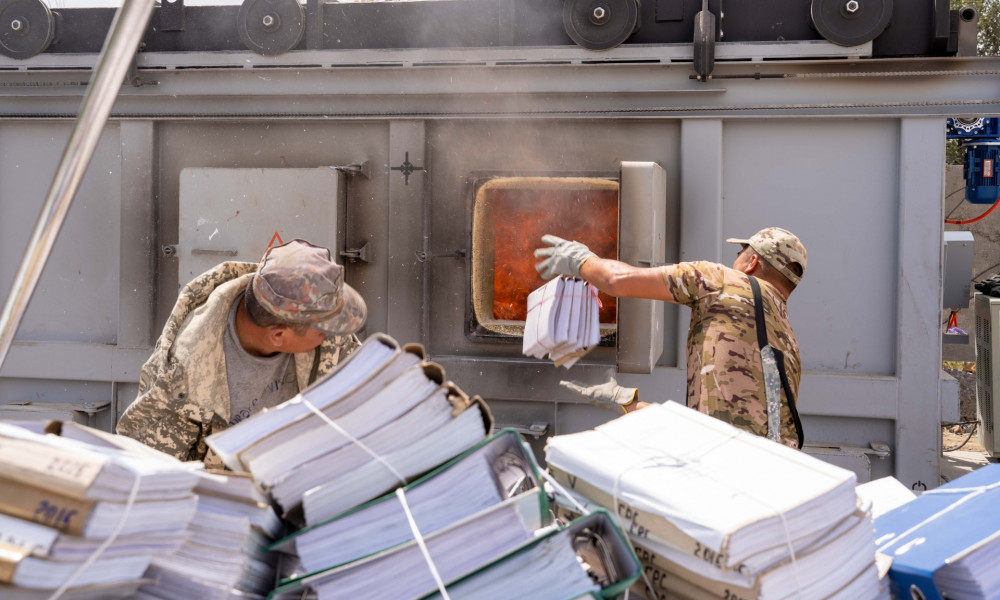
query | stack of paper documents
(562,321)
(85,516)
(226,543)
(946,542)
(714,511)
(383,416)
(491,472)
(588,558)
(503,551)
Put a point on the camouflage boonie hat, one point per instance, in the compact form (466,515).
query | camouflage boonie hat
(780,248)
(301,283)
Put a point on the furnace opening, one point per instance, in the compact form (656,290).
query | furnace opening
(510,215)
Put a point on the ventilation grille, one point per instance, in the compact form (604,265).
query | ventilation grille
(987,315)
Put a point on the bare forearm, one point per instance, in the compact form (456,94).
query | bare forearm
(625,281)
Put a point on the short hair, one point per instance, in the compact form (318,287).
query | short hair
(261,317)
(768,271)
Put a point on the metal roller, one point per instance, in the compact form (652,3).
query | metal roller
(600,24)
(271,27)
(26,28)
(851,22)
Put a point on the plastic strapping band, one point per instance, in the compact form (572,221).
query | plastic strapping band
(593,292)
(133,493)
(618,516)
(583,511)
(679,461)
(562,492)
(420,542)
(353,440)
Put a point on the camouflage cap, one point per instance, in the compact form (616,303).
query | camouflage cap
(301,283)
(780,248)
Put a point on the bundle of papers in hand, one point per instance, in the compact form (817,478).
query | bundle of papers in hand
(384,415)
(946,542)
(715,512)
(85,517)
(562,321)
(486,475)
(224,555)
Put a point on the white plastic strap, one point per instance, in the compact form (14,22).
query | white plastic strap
(675,461)
(624,526)
(420,542)
(583,511)
(353,439)
(133,493)
(562,492)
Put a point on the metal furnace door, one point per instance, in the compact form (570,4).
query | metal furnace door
(233,214)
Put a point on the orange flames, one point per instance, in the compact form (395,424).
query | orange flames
(522,216)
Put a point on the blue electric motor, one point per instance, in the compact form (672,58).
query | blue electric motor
(982,156)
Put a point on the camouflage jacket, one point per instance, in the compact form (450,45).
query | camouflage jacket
(725,377)
(183,388)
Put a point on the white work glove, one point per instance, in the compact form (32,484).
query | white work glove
(606,395)
(563,258)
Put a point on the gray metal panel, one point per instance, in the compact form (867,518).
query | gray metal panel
(957,289)
(780,173)
(641,201)
(77,295)
(265,144)
(233,214)
(921,223)
(522,147)
(701,207)
(137,282)
(949,399)
(408,205)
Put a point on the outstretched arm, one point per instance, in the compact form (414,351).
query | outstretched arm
(625,281)
(573,259)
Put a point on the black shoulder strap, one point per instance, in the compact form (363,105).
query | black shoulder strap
(758,307)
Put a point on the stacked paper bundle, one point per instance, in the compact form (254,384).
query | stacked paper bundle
(715,512)
(562,321)
(946,542)
(84,519)
(384,415)
(502,551)
(382,418)
(224,555)
(488,474)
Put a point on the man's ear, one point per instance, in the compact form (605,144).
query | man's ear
(277,334)
(752,263)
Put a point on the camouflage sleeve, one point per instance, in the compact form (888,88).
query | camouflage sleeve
(332,351)
(161,418)
(690,282)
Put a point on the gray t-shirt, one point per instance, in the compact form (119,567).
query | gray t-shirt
(255,382)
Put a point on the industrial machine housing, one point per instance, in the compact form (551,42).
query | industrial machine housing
(379,149)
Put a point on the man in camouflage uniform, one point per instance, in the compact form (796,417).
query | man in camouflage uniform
(725,376)
(243,337)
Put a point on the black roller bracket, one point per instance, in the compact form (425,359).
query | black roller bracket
(704,42)
(26,28)
(172,15)
(850,22)
(600,24)
(271,27)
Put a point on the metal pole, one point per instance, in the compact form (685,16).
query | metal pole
(126,31)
